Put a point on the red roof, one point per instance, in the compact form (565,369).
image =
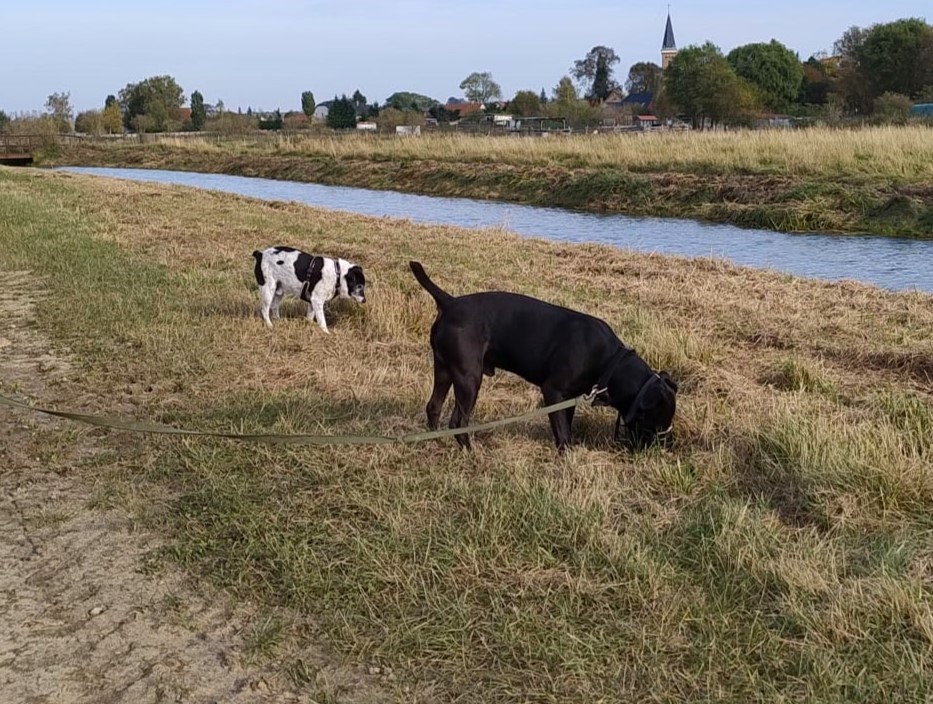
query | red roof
(464,108)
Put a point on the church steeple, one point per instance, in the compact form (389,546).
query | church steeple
(668,46)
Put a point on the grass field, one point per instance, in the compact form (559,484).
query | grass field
(871,180)
(782,550)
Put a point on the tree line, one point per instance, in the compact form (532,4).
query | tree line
(875,72)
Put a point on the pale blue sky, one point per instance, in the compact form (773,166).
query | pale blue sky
(264,53)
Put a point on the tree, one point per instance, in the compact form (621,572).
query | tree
(89,122)
(542,97)
(773,68)
(272,123)
(595,71)
(895,57)
(565,92)
(342,114)
(111,120)
(404,100)
(703,85)
(58,107)
(198,111)
(4,120)
(525,103)
(566,104)
(816,83)
(158,98)
(480,88)
(307,104)
(644,77)
(111,100)
(359,104)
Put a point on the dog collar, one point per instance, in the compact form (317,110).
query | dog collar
(602,385)
(630,414)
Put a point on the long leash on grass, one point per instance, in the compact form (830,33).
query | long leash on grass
(135,426)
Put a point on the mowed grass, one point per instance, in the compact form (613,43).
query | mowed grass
(782,550)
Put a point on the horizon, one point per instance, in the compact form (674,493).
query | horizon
(229,51)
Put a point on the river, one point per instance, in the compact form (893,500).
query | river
(888,262)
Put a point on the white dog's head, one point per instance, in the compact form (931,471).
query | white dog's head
(356,283)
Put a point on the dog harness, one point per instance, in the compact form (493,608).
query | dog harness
(305,294)
(337,284)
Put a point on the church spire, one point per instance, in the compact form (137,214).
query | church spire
(668,46)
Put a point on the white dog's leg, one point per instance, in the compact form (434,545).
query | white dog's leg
(319,314)
(276,302)
(267,293)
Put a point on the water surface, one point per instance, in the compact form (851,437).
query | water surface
(891,263)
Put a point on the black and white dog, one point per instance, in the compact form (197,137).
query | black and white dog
(564,352)
(313,279)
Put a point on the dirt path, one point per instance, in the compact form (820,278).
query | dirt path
(80,620)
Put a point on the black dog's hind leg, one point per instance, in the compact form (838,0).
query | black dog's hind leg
(466,389)
(442,382)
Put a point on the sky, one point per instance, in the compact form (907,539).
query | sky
(264,53)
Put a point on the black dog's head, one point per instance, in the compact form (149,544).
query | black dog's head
(650,417)
(356,283)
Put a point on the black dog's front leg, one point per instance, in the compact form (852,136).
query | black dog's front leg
(560,420)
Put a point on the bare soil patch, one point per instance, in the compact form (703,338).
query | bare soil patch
(83,619)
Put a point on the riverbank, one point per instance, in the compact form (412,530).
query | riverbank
(875,180)
(779,551)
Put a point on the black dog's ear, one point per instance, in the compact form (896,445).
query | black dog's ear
(667,380)
(355,276)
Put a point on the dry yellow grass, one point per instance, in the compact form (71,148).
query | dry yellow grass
(890,152)
(781,549)
(872,180)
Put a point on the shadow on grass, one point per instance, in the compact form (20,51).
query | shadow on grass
(764,474)
(296,413)
(291,309)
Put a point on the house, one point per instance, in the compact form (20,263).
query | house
(645,121)
(773,120)
(640,102)
(465,108)
(322,109)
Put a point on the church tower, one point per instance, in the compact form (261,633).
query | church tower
(668,46)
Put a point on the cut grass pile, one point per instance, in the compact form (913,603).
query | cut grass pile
(782,550)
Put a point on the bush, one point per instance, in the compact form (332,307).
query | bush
(892,109)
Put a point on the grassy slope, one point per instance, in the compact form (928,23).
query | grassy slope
(874,180)
(781,551)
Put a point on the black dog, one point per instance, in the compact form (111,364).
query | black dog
(564,352)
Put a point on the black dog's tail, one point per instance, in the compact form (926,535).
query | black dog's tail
(260,279)
(442,298)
